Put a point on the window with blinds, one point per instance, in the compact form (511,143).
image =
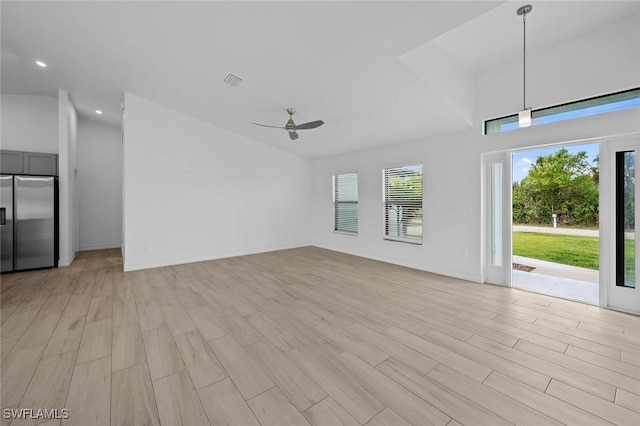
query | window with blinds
(403,203)
(345,203)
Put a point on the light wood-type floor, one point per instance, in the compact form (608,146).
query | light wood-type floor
(307,336)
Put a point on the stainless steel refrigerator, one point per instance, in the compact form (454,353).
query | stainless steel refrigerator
(28,222)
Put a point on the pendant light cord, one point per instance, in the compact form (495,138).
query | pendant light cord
(524,61)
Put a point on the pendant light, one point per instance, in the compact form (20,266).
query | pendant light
(524,116)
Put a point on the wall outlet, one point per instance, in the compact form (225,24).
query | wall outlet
(464,207)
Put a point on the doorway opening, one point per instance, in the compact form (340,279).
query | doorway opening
(555,221)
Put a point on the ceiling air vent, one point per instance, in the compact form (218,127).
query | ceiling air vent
(232,80)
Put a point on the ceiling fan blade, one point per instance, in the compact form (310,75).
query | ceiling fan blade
(265,125)
(309,125)
(293,135)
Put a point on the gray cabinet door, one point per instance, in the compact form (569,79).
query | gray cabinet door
(36,163)
(6,223)
(28,163)
(11,162)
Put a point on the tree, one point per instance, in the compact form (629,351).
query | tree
(595,170)
(560,183)
(629,178)
(404,199)
(519,197)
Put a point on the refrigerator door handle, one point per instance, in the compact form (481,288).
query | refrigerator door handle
(3,216)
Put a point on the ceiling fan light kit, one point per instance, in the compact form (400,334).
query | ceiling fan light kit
(524,116)
(292,127)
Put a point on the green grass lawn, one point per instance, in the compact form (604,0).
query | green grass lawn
(564,249)
(568,250)
(630,263)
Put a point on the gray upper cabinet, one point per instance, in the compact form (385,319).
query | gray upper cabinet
(36,163)
(28,163)
(11,162)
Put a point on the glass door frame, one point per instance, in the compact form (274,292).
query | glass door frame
(497,259)
(611,295)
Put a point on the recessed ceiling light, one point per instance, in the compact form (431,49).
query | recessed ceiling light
(98,112)
(41,64)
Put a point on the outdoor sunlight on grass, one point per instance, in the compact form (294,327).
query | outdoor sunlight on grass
(630,263)
(564,249)
(568,250)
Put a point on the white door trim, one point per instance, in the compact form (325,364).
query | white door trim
(496,264)
(611,295)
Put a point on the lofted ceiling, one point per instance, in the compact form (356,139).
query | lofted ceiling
(376,72)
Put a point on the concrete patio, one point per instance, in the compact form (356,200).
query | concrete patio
(554,279)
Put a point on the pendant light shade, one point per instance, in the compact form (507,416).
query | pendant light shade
(524,116)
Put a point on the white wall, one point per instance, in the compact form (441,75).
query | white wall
(449,223)
(68,182)
(194,191)
(452,188)
(605,61)
(30,123)
(100,185)
(602,61)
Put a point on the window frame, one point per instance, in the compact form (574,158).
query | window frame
(590,106)
(408,202)
(620,264)
(336,203)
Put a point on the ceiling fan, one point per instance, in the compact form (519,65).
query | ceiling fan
(291,127)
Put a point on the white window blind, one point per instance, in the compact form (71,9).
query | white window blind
(345,202)
(403,203)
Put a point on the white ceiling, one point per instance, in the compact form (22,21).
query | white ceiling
(351,64)
(499,31)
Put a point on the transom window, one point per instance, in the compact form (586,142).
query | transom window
(403,203)
(593,106)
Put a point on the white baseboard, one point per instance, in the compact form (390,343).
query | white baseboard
(204,257)
(63,263)
(440,271)
(100,247)
(214,256)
